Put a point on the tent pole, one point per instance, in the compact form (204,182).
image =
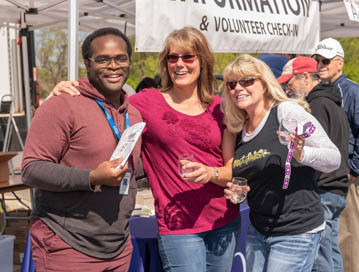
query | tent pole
(25,66)
(26,75)
(72,40)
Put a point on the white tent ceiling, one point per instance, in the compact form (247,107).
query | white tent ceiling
(121,14)
(92,13)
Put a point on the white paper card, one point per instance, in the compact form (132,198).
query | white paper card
(127,142)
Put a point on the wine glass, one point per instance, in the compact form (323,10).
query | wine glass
(239,184)
(286,127)
(183,159)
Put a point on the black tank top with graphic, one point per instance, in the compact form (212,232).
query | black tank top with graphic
(274,211)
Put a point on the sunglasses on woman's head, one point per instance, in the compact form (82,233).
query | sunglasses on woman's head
(185,58)
(244,82)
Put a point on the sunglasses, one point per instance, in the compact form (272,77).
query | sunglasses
(185,58)
(245,82)
(324,61)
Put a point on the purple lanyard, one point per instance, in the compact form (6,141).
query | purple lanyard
(308,130)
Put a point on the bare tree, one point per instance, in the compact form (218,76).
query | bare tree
(51,57)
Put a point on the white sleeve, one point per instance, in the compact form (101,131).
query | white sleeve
(320,152)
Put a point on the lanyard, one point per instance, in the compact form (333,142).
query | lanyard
(112,122)
(308,130)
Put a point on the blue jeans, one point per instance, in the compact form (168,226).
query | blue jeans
(329,257)
(206,251)
(286,253)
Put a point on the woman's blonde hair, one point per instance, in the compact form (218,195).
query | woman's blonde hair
(189,38)
(248,66)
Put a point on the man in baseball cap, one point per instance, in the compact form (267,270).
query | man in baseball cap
(330,56)
(302,81)
(329,48)
(293,71)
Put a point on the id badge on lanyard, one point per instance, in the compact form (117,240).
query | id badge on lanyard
(125,182)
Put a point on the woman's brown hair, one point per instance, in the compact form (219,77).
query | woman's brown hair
(191,39)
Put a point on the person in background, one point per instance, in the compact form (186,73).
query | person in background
(157,79)
(288,56)
(275,62)
(330,57)
(285,224)
(74,227)
(303,82)
(145,83)
(198,228)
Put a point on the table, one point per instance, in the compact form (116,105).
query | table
(145,256)
(239,261)
(14,184)
(11,186)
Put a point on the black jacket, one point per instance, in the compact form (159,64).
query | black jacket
(325,102)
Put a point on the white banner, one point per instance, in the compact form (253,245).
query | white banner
(255,26)
(352,7)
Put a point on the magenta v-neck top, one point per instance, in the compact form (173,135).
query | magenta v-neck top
(182,207)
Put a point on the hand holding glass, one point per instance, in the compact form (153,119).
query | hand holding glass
(183,159)
(239,190)
(286,127)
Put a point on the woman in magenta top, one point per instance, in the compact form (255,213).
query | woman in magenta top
(197,225)
(183,207)
(198,228)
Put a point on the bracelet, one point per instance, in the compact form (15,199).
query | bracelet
(216,173)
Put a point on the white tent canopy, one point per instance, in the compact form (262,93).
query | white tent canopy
(87,15)
(92,14)
(121,14)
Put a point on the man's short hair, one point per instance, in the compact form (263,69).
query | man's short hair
(86,45)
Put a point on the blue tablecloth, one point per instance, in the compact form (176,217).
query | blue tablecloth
(239,261)
(145,257)
(28,264)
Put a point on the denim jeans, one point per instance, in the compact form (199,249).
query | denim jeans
(329,257)
(206,251)
(285,253)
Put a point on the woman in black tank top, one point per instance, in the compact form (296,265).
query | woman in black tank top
(286,217)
